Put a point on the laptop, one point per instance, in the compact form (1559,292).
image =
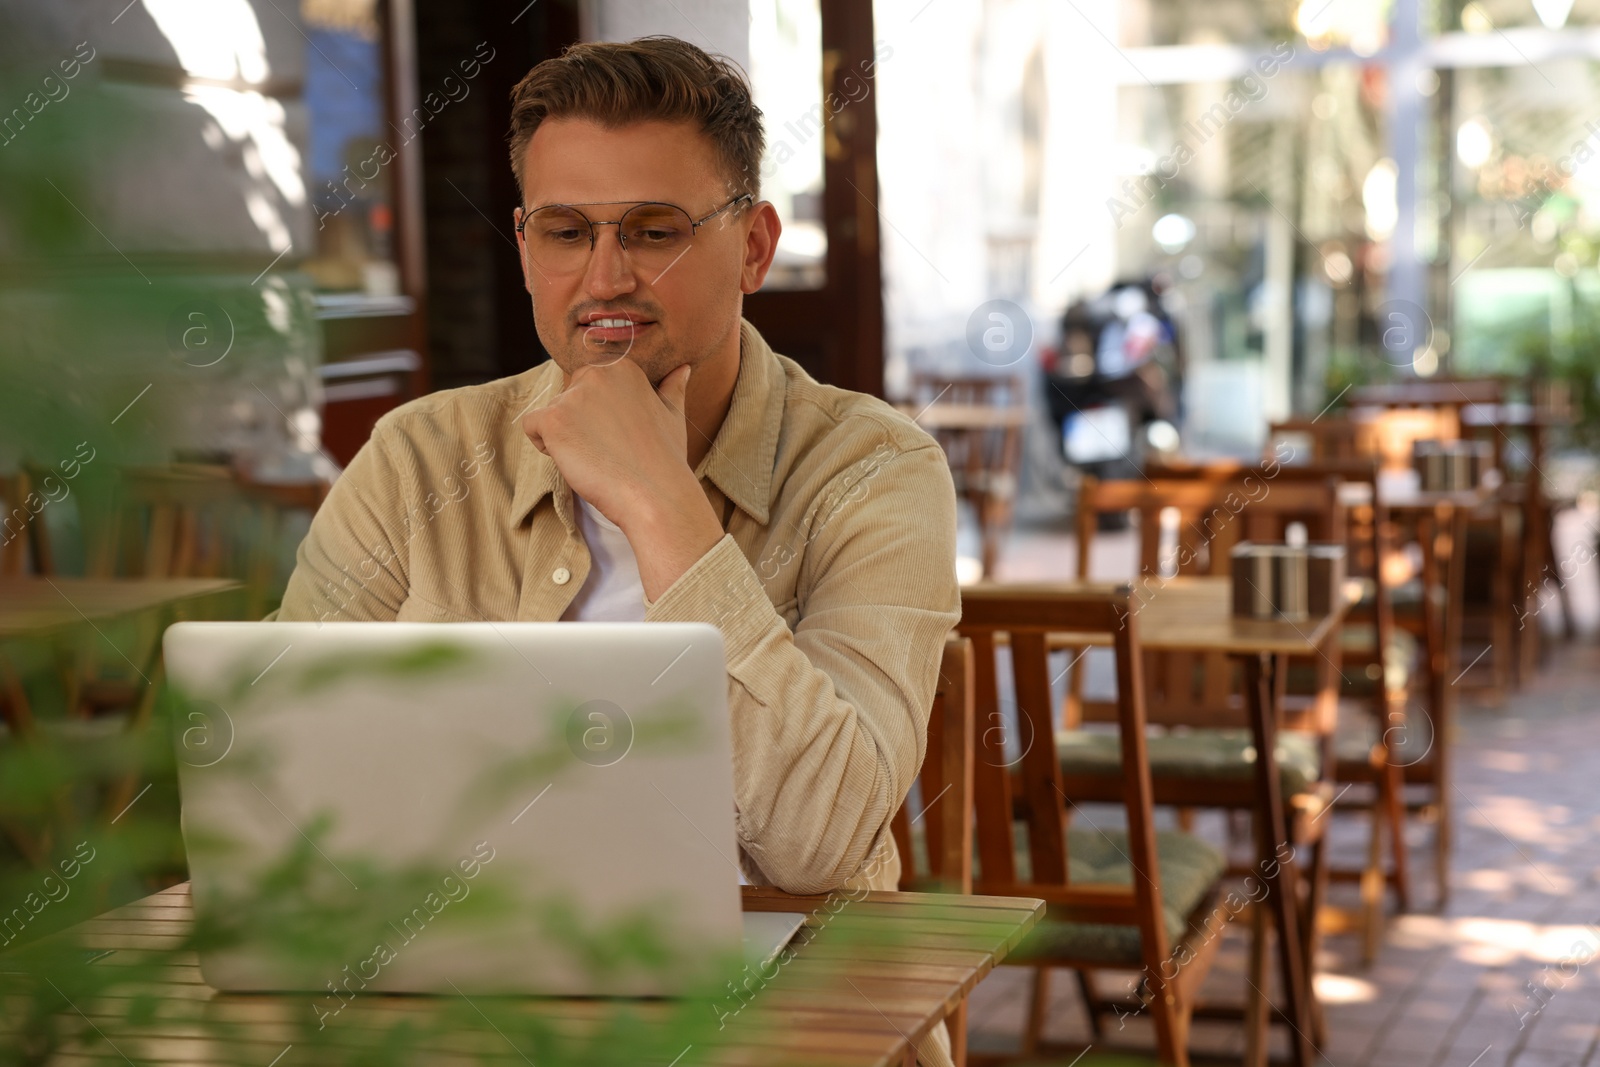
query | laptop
(506,808)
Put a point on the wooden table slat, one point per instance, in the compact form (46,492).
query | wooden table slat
(842,999)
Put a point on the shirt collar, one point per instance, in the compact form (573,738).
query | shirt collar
(741,458)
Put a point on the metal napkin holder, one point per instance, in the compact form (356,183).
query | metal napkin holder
(1284,582)
(1451,466)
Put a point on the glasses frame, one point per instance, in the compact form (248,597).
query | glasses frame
(622,240)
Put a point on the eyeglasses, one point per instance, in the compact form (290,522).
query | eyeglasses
(560,238)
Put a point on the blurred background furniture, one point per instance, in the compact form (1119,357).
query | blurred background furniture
(979,423)
(1375,666)
(90,755)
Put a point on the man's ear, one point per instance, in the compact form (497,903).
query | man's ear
(760,245)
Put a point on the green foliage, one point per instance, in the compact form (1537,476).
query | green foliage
(1572,356)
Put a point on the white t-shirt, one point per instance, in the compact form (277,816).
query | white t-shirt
(613,591)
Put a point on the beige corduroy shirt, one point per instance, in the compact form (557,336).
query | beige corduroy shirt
(834,585)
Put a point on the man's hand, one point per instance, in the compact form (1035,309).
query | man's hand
(623,447)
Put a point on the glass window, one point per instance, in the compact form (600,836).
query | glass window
(1259,208)
(1486,16)
(352,190)
(1526,191)
(786,73)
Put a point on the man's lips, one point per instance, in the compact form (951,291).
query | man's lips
(601,327)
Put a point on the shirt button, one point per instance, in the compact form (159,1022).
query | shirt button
(561,576)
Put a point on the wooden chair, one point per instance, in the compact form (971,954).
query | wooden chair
(1368,640)
(944,863)
(185,520)
(171,521)
(1326,439)
(985,457)
(1388,434)
(1135,900)
(1206,756)
(1419,743)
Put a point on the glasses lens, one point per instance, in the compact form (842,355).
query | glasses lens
(558,238)
(655,234)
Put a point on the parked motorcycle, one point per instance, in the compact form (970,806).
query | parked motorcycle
(1112,383)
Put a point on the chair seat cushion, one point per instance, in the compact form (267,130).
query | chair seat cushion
(1223,754)
(1407,592)
(1358,733)
(1400,659)
(1189,870)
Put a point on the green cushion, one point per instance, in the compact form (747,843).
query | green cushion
(1357,733)
(1206,753)
(1400,659)
(1189,869)
(1407,592)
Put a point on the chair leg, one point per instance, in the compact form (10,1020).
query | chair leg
(1372,884)
(1316,891)
(1256,1005)
(1038,1002)
(1500,611)
(1172,1031)
(1392,798)
(1441,845)
(1569,625)
(1091,1003)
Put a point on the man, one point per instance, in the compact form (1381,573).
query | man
(667,465)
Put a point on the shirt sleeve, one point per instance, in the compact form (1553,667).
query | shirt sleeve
(352,565)
(830,720)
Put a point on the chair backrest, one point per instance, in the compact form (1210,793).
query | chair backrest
(1387,434)
(1448,393)
(1363,534)
(1213,515)
(1024,617)
(1329,438)
(1185,688)
(24,538)
(170,521)
(946,785)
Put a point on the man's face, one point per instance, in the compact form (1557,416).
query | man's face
(678,312)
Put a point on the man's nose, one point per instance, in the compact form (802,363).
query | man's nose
(609,274)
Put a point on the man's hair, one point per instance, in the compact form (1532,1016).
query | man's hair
(650,79)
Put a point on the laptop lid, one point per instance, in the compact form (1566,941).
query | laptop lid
(531,808)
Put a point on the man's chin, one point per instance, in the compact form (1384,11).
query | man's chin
(656,365)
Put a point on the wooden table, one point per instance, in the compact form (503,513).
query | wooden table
(837,1002)
(36,607)
(68,612)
